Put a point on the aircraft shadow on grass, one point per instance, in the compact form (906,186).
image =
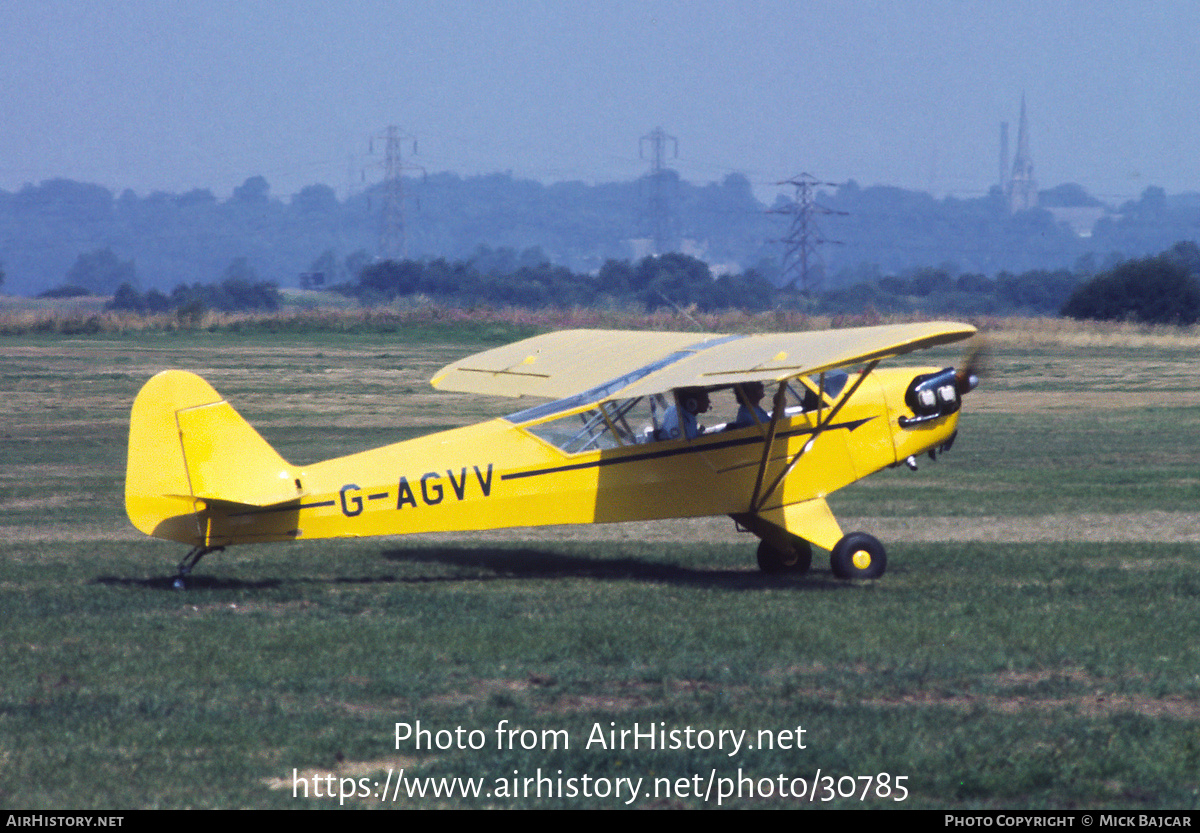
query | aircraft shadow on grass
(200,582)
(530,563)
(508,564)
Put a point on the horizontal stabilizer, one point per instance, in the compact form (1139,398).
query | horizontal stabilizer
(228,460)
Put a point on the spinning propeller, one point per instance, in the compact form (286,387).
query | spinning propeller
(935,395)
(966,378)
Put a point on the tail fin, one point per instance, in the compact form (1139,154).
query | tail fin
(187,446)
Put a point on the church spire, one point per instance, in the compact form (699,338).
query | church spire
(1022,188)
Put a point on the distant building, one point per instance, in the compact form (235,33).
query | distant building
(1080,219)
(1022,187)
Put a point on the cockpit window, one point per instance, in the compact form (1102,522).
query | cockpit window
(619,423)
(614,385)
(613,424)
(835,382)
(804,396)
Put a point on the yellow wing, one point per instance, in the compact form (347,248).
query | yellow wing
(625,363)
(563,363)
(778,356)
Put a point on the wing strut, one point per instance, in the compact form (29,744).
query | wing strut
(777,410)
(760,498)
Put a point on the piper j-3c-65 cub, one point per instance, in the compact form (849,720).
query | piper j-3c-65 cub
(624,437)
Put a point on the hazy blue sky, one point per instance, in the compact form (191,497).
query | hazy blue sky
(163,95)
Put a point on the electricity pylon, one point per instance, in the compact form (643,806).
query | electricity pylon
(659,208)
(801,259)
(393,240)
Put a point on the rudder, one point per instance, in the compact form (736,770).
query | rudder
(187,445)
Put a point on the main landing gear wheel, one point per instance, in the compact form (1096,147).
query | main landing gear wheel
(796,559)
(858,555)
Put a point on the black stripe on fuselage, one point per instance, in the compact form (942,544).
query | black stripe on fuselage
(692,447)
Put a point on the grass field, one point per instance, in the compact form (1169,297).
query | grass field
(1033,644)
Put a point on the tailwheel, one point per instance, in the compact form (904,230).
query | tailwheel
(189,561)
(858,555)
(796,558)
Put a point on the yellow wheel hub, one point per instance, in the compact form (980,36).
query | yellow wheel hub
(861,559)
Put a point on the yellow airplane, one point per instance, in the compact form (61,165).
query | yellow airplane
(620,439)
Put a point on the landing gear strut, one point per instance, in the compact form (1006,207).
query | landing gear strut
(189,562)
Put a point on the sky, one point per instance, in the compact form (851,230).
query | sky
(160,95)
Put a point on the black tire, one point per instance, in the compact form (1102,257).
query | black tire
(796,560)
(858,555)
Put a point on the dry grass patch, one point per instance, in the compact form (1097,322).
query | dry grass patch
(984,401)
(1066,332)
(1090,705)
(243,608)
(1085,527)
(55,533)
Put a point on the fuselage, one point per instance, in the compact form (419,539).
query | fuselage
(586,463)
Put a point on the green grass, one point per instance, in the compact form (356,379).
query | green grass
(989,675)
(977,671)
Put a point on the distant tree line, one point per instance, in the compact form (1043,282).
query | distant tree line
(239,290)
(1161,289)
(189,237)
(942,290)
(528,280)
(1164,289)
